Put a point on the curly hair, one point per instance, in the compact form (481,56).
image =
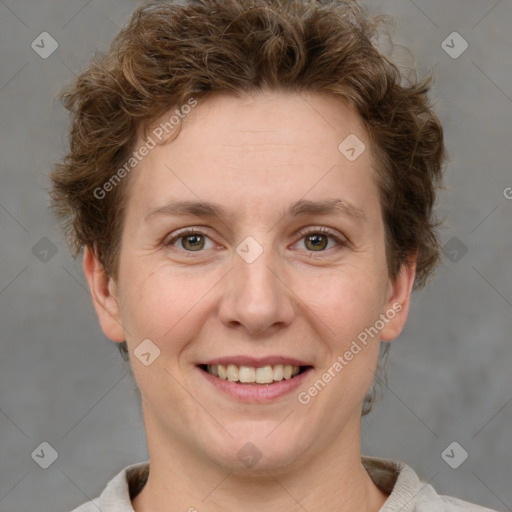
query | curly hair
(172,52)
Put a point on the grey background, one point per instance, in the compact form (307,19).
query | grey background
(63,382)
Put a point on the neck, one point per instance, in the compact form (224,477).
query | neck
(332,481)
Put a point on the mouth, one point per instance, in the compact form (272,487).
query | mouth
(255,380)
(243,374)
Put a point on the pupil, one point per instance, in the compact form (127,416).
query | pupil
(194,241)
(315,241)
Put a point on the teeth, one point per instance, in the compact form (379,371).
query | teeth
(278,372)
(232,372)
(249,374)
(246,374)
(264,375)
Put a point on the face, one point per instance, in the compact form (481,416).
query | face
(282,272)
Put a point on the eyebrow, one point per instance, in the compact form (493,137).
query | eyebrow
(213,210)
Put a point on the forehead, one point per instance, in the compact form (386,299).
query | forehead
(268,116)
(240,149)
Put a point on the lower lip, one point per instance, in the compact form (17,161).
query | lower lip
(256,392)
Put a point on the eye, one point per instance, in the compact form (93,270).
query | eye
(194,240)
(190,240)
(317,239)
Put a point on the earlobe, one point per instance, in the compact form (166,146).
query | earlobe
(104,295)
(398,302)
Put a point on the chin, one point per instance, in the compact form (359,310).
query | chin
(258,447)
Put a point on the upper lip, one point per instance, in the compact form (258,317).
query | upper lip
(256,362)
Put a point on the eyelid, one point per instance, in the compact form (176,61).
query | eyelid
(200,230)
(180,233)
(312,230)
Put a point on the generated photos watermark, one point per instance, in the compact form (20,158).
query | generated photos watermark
(158,134)
(304,397)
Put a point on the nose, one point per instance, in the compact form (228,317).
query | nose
(257,298)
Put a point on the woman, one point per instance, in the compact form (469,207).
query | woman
(253,187)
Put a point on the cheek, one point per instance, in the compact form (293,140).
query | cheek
(348,307)
(159,302)
(346,300)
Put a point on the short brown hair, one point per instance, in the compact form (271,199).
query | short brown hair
(170,52)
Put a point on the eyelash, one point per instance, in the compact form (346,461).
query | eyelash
(303,233)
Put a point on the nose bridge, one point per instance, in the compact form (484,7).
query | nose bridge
(253,265)
(257,299)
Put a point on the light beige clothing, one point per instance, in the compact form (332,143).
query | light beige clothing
(406,492)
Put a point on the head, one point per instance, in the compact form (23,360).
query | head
(260,108)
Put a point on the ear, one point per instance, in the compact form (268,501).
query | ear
(104,296)
(398,301)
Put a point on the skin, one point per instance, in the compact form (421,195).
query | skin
(255,154)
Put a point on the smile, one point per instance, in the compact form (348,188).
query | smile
(252,380)
(250,374)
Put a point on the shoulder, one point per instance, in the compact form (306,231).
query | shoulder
(456,505)
(90,506)
(118,493)
(407,493)
(446,504)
